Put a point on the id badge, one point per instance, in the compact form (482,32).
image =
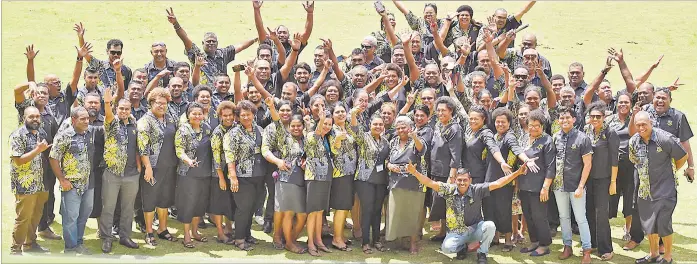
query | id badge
(243,172)
(379,167)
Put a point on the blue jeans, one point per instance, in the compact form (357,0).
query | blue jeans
(579,207)
(482,232)
(75,209)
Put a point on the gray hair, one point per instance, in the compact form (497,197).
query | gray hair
(404,120)
(373,41)
(76,111)
(567,89)
(209,35)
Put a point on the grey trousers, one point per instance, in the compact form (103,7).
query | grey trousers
(114,186)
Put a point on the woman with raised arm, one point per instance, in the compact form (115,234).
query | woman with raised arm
(221,203)
(343,148)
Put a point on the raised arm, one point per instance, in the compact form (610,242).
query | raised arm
(154,82)
(525,9)
(295,45)
(82,52)
(237,87)
(31,54)
(645,76)
(624,70)
(252,78)
(375,83)
(20,89)
(595,84)
(279,46)
(196,73)
(258,21)
(389,30)
(80,30)
(309,20)
(239,47)
(503,46)
(445,27)
(411,97)
(437,40)
(119,80)
(414,70)
(488,38)
(322,76)
(108,97)
(401,7)
(422,178)
(505,180)
(551,99)
(179,30)
(320,123)
(327,43)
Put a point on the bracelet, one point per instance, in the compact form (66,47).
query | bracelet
(177,26)
(295,49)
(690,168)
(79,58)
(546,188)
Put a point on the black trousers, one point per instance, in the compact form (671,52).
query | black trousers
(625,188)
(371,197)
(48,215)
(597,212)
(270,189)
(246,200)
(535,213)
(497,208)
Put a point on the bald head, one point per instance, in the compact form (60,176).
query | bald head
(642,116)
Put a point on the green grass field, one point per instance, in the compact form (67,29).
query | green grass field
(567,32)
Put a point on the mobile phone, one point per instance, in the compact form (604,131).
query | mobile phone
(238,68)
(521,28)
(379,7)
(340,58)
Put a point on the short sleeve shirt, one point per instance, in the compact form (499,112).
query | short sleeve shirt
(28,177)
(463,211)
(571,148)
(653,161)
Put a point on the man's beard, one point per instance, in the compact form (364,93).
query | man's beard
(33,125)
(93,112)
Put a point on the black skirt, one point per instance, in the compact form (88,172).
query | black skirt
(160,195)
(221,201)
(317,196)
(192,197)
(437,212)
(341,195)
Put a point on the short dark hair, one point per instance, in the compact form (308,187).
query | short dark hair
(180,65)
(264,46)
(200,88)
(114,43)
(480,109)
(502,111)
(220,75)
(302,65)
(433,5)
(466,8)
(191,108)
(142,70)
(91,70)
(597,106)
(448,101)
(557,77)
(563,109)
(394,67)
(330,83)
(422,108)
(245,105)
(397,47)
(664,90)
(357,51)
(537,115)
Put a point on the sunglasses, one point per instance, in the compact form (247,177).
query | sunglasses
(115,52)
(366,46)
(520,76)
(157,44)
(596,117)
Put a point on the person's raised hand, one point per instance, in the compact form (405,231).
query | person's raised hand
(616,55)
(309,6)
(108,95)
(85,50)
(655,64)
(257,4)
(171,17)
(80,29)
(269,101)
(271,34)
(675,85)
(31,53)
(326,43)
(163,73)
(200,61)
(608,64)
(296,42)
(118,63)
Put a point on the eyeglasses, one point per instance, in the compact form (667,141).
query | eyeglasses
(366,46)
(115,52)
(56,83)
(596,117)
(520,76)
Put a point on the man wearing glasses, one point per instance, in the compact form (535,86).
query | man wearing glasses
(105,69)
(369,45)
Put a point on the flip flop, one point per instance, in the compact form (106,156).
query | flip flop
(507,248)
(380,247)
(201,239)
(167,236)
(344,248)
(535,254)
(324,249)
(367,249)
(189,244)
(278,245)
(150,239)
(244,246)
(313,252)
(297,250)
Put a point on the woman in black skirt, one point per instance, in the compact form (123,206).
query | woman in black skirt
(246,171)
(498,205)
(371,177)
(318,177)
(290,195)
(156,131)
(533,195)
(343,147)
(221,203)
(193,148)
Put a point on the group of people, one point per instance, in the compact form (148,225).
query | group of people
(449,121)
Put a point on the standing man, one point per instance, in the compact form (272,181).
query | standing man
(573,163)
(657,196)
(282,31)
(576,81)
(107,73)
(504,23)
(216,59)
(159,62)
(26,172)
(71,163)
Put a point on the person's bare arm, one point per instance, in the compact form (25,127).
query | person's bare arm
(251,77)
(290,61)
(690,163)
(119,80)
(422,178)
(82,52)
(401,7)
(281,50)
(108,98)
(503,46)
(27,157)
(237,87)
(389,30)
(196,72)
(414,71)
(155,81)
(587,164)
(309,21)
(370,87)
(488,38)
(624,70)
(320,80)
(258,21)
(437,40)
(239,47)
(80,30)
(328,48)
(525,9)
(31,54)
(445,27)
(595,84)
(506,179)
(645,76)
(20,89)
(179,30)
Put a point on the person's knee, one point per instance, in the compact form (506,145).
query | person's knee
(450,245)
(488,227)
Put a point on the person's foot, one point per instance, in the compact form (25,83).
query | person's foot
(481,258)
(627,236)
(607,256)
(82,250)
(268,227)
(586,257)
(647,259)
(259,220)
(150,239)
(630,245)
(661,249)
(566,253)
(128,242)
(49,234)
(115,230)
(462,254)
(202,225)
(36,248)
(665,261)
(106,245)
(16,251)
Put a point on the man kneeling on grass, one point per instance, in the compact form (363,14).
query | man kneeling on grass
(463,201)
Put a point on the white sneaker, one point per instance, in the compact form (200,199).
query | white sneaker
(259,220)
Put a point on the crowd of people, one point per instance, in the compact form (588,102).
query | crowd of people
(447,121)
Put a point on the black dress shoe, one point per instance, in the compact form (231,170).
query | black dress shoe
(268,227)
(36,248)
(647,259)
(462,254)
(202,225)
(106,245)
(127,242)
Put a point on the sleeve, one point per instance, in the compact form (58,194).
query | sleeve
(412,20)
(613,141)
(180,142)
(488,139)
(513,145)
(267,139)
(454,139)
(684,132)
(228,147)
(446,189)
(144,148)
(192,53)
(585,145)
(95,63)
(676,150)
(550,154)
(632,150)
(60,146)
(481,190)
(228,54)
(217,147)
(17,146)
(23,105)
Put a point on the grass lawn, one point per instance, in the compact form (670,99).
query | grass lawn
(567,32)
